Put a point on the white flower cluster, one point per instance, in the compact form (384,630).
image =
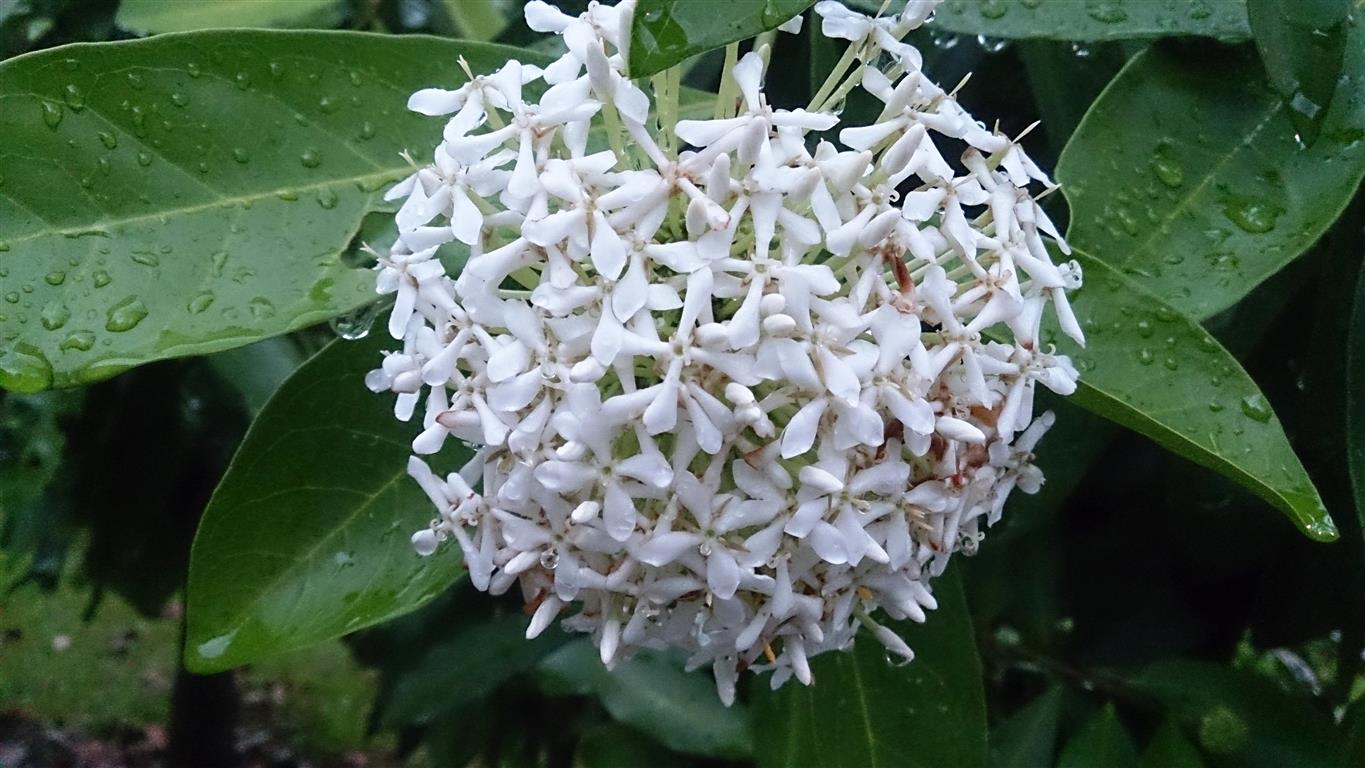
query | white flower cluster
(732,398)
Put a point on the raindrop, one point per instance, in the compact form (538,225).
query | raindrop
(144,159)
(54,315)
(241,155)
(203,167)
(943,40)
(992,44)
(1145,356)
(276,70)
(193,69)
(1080,50)
(55,278)
(73,97)
(327,198)
(52,114)
(367,130)
(200,302)
(356,324)
(1256,408)
(895,660)
(704,549)
(108,139)
(12,297)
(328,105)
(993,9)
(549,559)
(1144,329)
(81,341)
(146,259)
(310,158)
(243,80)
(1215,406)
(125,315)
(102,278)
(135,81)
(1171,363)
(179,99)
(261,308)
(1250,215)
(1106,13)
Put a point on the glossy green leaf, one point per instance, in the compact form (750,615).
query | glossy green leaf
(1102,741)
(144,16)
(865,712)
(306,537)
(1029,738)
(462,669)
(665,32)
(652,693)
(1169,748)
(1355,395)
(1242,719)
(1156,371)
(1186,174)
(1088,20)
(1301,43)
(189,193)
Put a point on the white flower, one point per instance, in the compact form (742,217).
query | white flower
(733,398)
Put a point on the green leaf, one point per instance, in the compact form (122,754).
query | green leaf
(1186,174)
(1170,749)
(462,669)
(1090,20)
(652,693)
(1029,738)
(476,19)
(144,16)
(665,32)
(1301,43)
(615,746)
(306,538)
(863,712)
(1103,741)
(1355,395)
(1241,718)
(190,193)
(1157,372)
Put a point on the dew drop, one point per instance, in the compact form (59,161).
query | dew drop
(243,80)
(81,341)
(144,159)
(108,139)
(367,130)
(135,81)
(328,105)
(102,278)
(54,315)
(310,158)
(1145,356)
(895,660)
(1106,12)
(549,559)
(193,69)
(1171,363)
(1215,406)
(179,99)
(993,9)
(125,315)
(146,259)
(52,114)
(356,324)
(276,70)
(261,308)
(12,297)
(73,97)
(241,155)
(327,198)
(200,302)
(1251,215)
(1144,329)
(1256,408)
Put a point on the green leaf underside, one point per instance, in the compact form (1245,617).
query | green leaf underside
(1157,372)
(186,15)
(1186,173)
(138,229)
(306,538)
(666,32)
(1103,741)
(652,694)
(863,712)
(1087,20)
(1301,45)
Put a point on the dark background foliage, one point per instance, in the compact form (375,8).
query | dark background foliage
(1141,610)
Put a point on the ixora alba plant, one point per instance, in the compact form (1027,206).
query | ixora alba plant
(735,383)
